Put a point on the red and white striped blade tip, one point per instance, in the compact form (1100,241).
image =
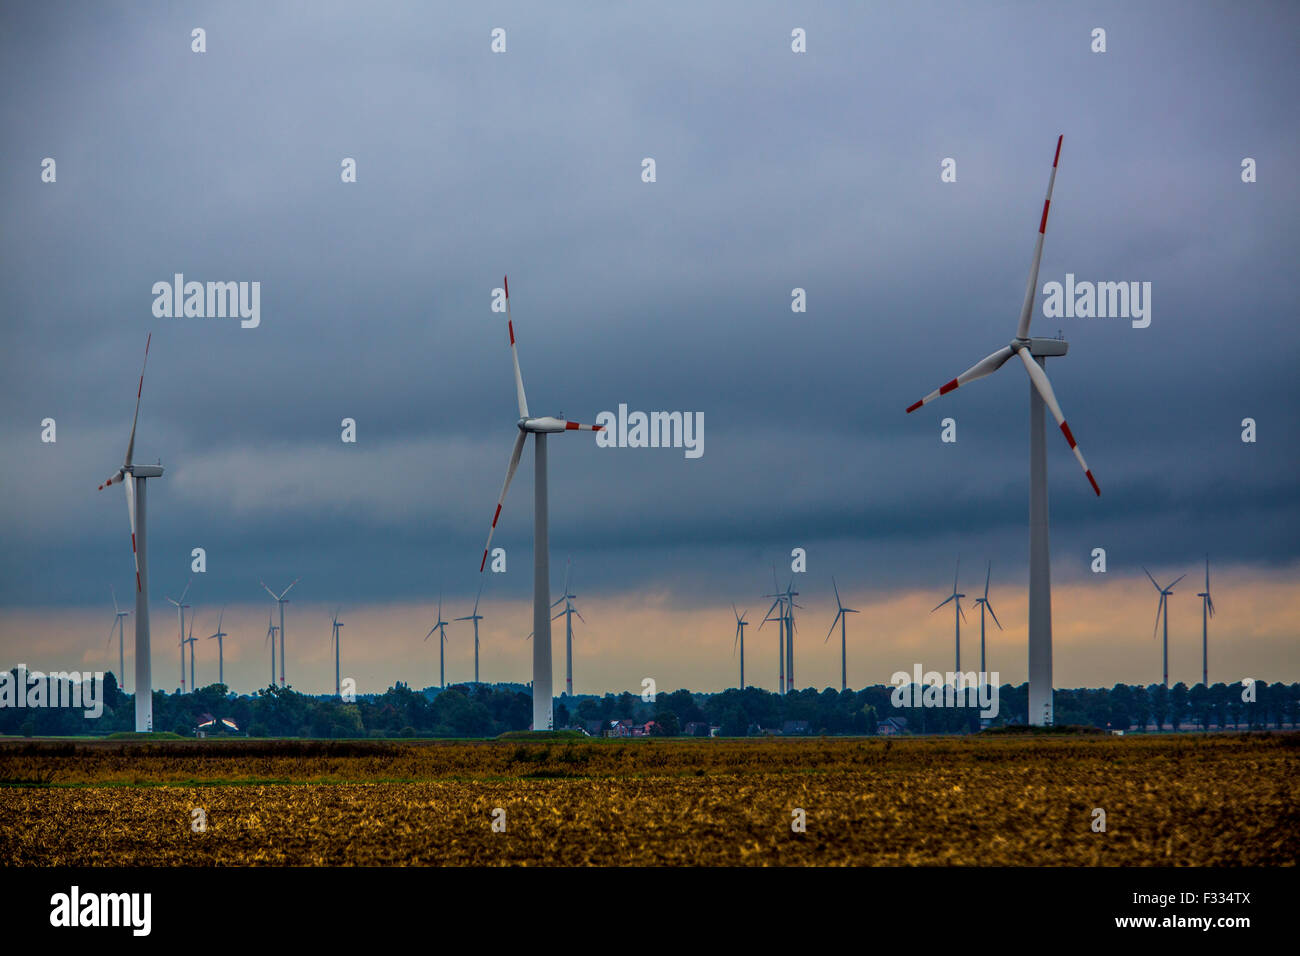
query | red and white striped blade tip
(575,426)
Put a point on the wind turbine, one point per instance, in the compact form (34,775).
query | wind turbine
(221,651)
(190,641)
(841,616)
(539,428)
(567,614)
(984,603)
(132,477)
(180,620)
(741,624)
(1033,354)
(280,600)
(441,628)
(475,617)
(958,615)
(790,605)
(117,625)
(334,636)
(778,605)
(1163,608)
(270,639)
(1207,612)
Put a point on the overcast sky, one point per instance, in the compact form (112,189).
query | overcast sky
(774,170)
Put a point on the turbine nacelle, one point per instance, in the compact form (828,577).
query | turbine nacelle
(549,425)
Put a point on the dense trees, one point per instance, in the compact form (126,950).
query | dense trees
(482,710)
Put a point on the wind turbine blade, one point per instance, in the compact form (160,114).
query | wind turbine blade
(514,355)
(580,617)
(220,618)
(839,614)
(116,608)
(1151,579)
(289,588)
(960,612)
(1175,581)
(130,445)
(837,593)
(952,597)
(510,473)
(480,594)
(129,485)
(579,427)
(1031,289)
(187,590)
(558,616)
(1039,378)
(268,591)
(985,366)
(994,615)
(1159,607)
(1210,604)
(955,572)
(988,575)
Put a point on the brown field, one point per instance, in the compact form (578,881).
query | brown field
(1170,800)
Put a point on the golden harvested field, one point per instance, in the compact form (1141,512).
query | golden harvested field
(1169,800)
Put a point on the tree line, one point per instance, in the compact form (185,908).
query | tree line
(486,710)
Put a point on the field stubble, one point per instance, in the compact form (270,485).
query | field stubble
(1169,800)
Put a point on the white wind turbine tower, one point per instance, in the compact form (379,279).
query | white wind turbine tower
(190,640)
(1163,608)
(1207,612)
(475,617)
(790,605)
(567,614)
(539,428)
(984,604)
(270,639)
(741,624)
(958,614)
(336,626)
(841,616)
(220,637)
(132,477)
(280,600)
(441,628)
(180,623)
(778,605)
(1033,354)
(121,652)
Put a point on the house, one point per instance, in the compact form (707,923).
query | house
(619,728)
(892,725)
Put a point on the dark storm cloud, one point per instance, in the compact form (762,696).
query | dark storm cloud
(774,171)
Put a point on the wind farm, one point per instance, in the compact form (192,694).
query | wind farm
(739,254)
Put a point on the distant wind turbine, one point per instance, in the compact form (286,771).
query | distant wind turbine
(190,640)
(1207,612)
(790,605)
(280,600)
(337,625)
(984,603)
(121,652)
(841,616)
(1163,608)
(475,617)
(180,619)
(441,628)
(567,614)
(958,616)
(220,637)
(539,428)
(778,605)
(741,624)
(133,478)
(270,639)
